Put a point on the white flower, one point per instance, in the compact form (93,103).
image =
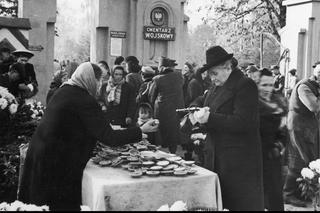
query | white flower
(179,206)
(85,208)
(315,165)
(15,206)
(307,173)
(4,206)
(33,116)
(35,112)
(3,103)
(13,108)
(164,208)
(39,104)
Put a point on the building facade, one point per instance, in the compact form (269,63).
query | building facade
(301,35)
(146,29)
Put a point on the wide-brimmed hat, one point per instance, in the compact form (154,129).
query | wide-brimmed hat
(166,62)
(216,55)
(23,53)
(315,64)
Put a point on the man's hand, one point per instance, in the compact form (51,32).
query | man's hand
(150,126)
(201,116)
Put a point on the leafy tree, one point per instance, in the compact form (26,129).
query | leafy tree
(9,8)
(238,24)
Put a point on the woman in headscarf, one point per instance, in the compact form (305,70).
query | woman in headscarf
(59,78)
(62,143)
(119,99)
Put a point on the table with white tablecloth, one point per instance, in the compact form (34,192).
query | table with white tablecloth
(113,189)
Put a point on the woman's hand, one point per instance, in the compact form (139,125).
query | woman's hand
(150,126)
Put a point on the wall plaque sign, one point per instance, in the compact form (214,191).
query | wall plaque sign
(159,33)
(118,34)
(158,16)
(116,46)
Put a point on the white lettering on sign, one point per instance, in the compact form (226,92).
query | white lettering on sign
(159,33)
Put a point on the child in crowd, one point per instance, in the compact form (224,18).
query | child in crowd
(145,114)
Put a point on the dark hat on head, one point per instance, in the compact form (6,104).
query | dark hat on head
(132,59)
(274,67)
(315,64)
(166,62)
(23,53)
(216,55)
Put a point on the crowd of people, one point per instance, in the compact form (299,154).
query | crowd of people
(253,124)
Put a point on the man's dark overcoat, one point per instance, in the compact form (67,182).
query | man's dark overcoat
(61,147)
(166,96)
(233,150)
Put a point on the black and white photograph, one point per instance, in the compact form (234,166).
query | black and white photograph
(159,105)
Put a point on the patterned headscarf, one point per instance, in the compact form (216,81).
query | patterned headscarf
(84,77)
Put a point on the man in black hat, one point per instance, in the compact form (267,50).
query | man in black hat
(233,146)
(166,95)
(30,84)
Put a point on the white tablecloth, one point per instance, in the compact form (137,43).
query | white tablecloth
(113,189)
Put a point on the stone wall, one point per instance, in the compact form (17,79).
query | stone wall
(42,16)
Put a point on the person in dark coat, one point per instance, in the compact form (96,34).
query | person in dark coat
(58,79)
(233,146)
(119,99)
(30,81)
(12,79)
(6,60)
(196,88)
(303,127)
(133,77)
(272,108)
(166,95)
(278,79)
(63,142)
(147,74)
(188,75)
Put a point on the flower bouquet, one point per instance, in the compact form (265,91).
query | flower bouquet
(309,182)
(37,108)
(7,101)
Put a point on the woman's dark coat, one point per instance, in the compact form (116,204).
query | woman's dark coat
(61,147)
(166,96)
(117,114)
(53,87)
(269,131)
(233,148)
(196,88)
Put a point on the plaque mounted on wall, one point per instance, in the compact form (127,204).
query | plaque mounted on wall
(159,16)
